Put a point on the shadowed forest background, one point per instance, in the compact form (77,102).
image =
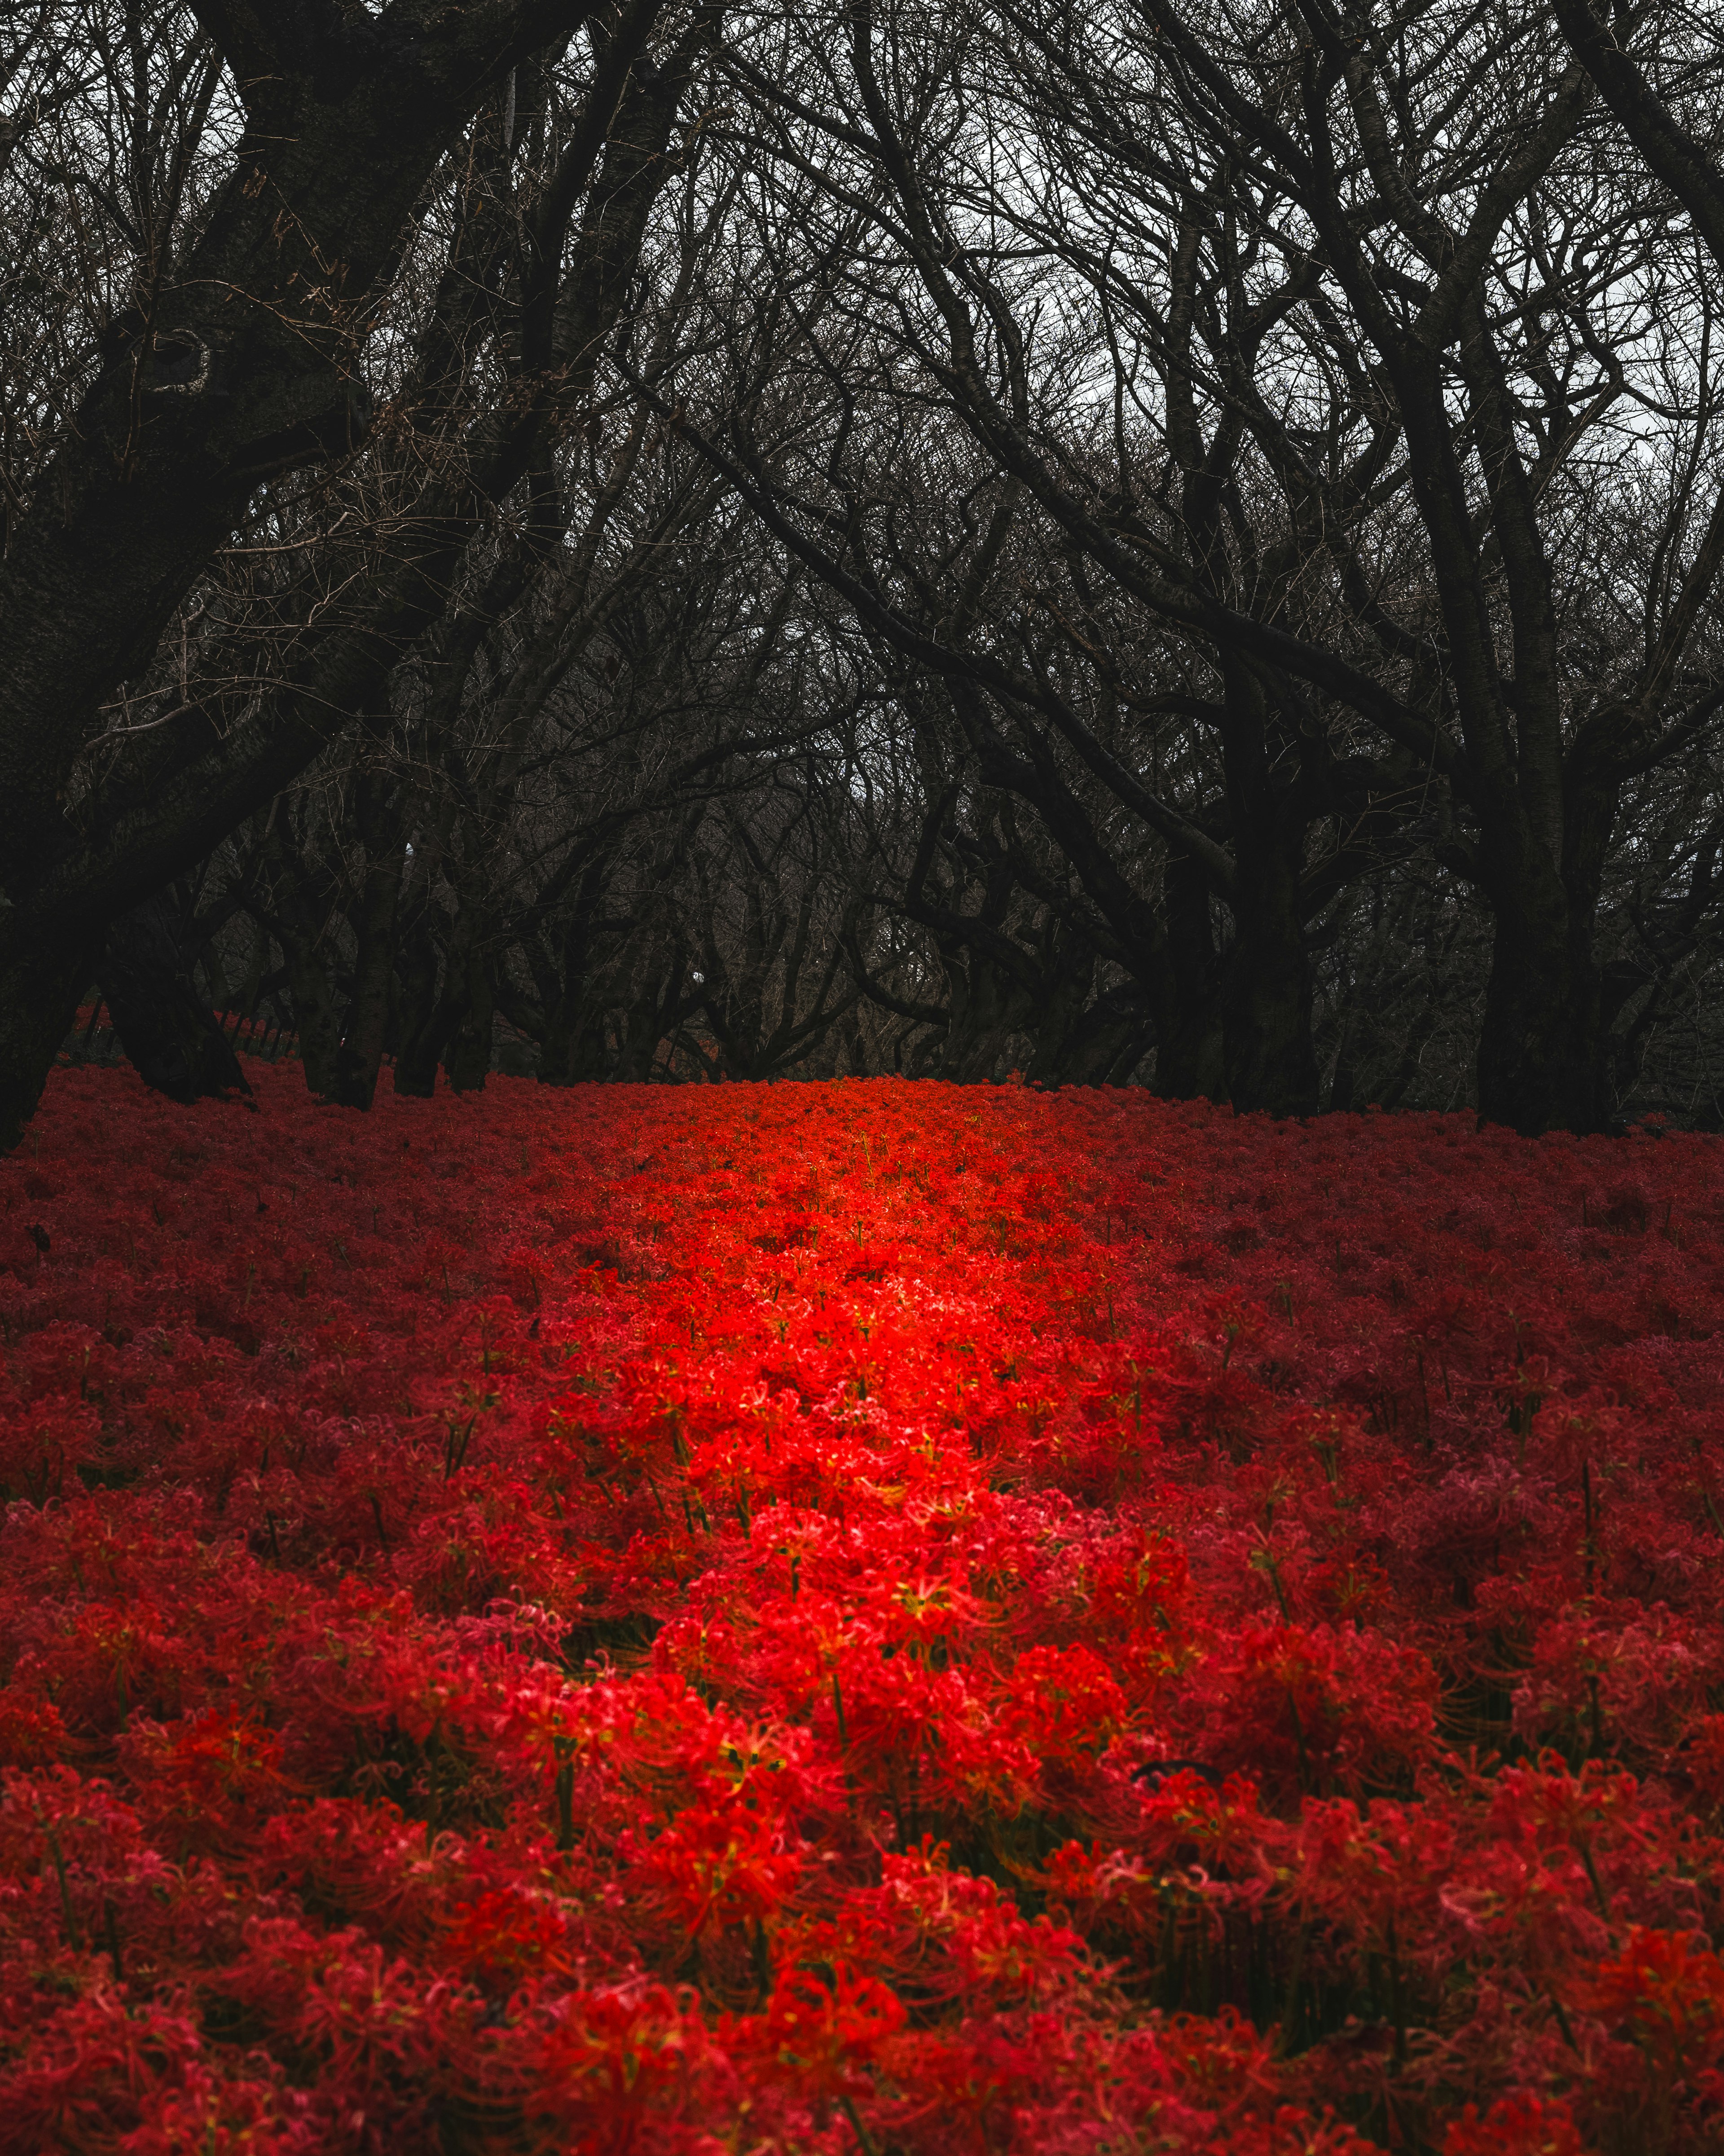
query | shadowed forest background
(1176,546)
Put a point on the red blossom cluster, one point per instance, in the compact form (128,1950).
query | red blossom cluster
(874,1617)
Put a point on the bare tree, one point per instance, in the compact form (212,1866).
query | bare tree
(241,336)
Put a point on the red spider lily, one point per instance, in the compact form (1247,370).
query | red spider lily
(870,1617)
(618,2070)
(1515,2126)
(101,2077)
(506,1934)
(819,2035)
(722,1861)
(1664,1993)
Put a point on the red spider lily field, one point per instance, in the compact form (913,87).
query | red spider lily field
(855,1618)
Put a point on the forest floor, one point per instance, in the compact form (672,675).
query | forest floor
(855,1617)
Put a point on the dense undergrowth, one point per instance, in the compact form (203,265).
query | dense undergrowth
(666,1619)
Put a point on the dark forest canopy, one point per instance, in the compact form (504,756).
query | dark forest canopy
(1176,543)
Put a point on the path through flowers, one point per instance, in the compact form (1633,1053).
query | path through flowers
(670,1620)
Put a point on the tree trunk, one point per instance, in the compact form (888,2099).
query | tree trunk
(425,1019)
(1188,1062)
(1270,1056)
(360,1056)
(641,1028)
(315,1017)
(576,1051)
(983,1005)
(1522,1042)
(1270,1061)
(42,979)
(166,1030)
(1102,1044)
(468,1057)
(1543,1062)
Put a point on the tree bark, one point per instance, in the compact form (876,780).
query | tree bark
(167,1030)
(43,980)
(1268,1055)
(360,1057)
(1189,1063)
(425,1017)
(468,990)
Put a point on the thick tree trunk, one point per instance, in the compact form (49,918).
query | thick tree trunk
(1055,1024)
(42,979)
(1188,1062)
(1586,1097)
(1102,1045)
(425,1017)
(569,1030)
(302,919)
(468,1057)
(986,1007)
(416,1070)
(1523,1041)
(316,1017)
(165,1026)
(851,1045)
(1269,1057)
(559,1046)
(360,1056)
(1542,1049)
(574,1050)
(1270,1066)
(642,1028)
